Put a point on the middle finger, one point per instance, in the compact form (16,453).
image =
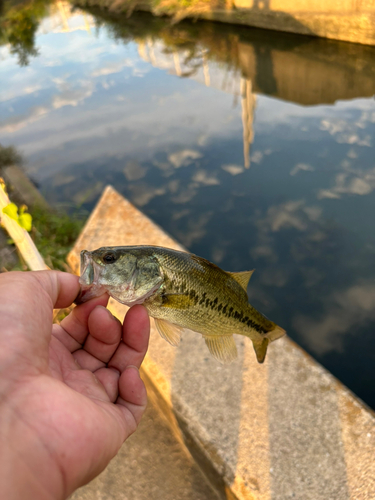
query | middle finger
(104,334)
(136,332)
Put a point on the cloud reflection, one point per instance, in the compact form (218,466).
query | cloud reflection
(18,122)
(134,171)
(301,167)
(352,307)
(184,157)
(356,182)
(114,67)
(233,169)
(347,131)
(71,95)
(143,193)
(204,178)
(292,214)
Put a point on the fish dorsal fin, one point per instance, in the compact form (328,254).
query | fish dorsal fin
(223,347)
(260,348)
(168,331)
(242,278)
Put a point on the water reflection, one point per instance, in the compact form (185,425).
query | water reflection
(174,115)
(18,26)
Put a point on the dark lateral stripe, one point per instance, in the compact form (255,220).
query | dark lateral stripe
(228,312)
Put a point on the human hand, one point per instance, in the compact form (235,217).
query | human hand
(70,394)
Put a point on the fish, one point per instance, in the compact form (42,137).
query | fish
(181,291)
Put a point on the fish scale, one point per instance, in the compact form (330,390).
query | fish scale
(180,291)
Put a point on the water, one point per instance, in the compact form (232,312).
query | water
(251,148)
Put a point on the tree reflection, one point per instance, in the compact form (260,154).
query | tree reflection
(18,26)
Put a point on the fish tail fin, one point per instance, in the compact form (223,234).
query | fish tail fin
(261,344)
(275,333)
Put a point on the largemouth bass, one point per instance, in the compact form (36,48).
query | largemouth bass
(180,291)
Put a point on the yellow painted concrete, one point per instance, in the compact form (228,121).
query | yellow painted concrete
(252,481)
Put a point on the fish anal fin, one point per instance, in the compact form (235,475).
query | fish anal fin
(168,331)
(242,278)
(222,347)
(260,348)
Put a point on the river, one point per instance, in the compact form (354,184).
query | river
(253,149)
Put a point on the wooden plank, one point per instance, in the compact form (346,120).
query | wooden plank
(21,237)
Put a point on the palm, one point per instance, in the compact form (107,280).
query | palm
(81,394)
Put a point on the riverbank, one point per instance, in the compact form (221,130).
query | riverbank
(347,20)
(53,230)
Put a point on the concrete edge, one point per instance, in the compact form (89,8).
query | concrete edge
(172,375)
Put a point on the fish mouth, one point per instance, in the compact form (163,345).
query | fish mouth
(87,269)
(88,280)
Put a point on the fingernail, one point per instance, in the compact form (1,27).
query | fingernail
(115,370)
(135,368)
(108,312)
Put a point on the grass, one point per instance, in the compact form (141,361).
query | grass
(54,233)
(177,9)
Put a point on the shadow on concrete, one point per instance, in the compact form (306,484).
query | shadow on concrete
(198,378)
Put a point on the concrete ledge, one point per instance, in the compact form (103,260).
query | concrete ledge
(355,27)
(346,20)
(285,429)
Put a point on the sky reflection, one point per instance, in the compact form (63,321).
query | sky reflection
(215,146)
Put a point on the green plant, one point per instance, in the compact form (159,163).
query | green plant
(23,218)
(9,156)
(54,233)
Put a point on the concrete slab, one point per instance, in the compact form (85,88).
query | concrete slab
(285,429)
(150,465)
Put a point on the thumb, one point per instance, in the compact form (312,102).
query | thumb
(27,300)
(61,288)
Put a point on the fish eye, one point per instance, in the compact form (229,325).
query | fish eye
(109,258)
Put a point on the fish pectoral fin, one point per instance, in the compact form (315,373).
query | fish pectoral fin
(177,301)
(260,348)
(222,347)
(169,331)
(242,278)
